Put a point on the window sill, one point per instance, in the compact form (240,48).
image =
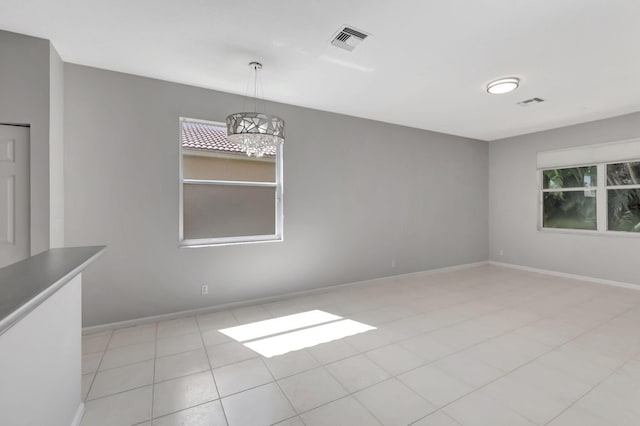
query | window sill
(586,232)
(215,242)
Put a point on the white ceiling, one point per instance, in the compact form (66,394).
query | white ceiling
(426,64)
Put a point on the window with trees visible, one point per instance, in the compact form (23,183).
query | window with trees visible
(623,196)
(569,198)
(226,196)
(601,197)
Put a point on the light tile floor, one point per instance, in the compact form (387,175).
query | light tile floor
(480,346)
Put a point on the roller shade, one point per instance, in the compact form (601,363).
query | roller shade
(627,150)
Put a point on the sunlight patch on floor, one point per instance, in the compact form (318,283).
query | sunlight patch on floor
(289,333)
(269,327)
(306,338)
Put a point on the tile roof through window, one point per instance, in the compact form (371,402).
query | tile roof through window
(211,138)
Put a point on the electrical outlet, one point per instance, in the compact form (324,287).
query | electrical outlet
(205,289)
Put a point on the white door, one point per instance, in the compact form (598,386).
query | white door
(14,194)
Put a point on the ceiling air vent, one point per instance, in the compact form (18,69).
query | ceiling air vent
(348,38)
(531,101)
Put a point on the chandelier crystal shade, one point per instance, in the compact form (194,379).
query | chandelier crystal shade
(255,132)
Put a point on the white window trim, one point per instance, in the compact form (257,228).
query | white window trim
(223,241)
(602,210)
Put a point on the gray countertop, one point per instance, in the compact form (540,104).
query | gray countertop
(26,284)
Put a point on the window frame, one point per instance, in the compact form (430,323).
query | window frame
(602,200)
(222,241)
(607,187)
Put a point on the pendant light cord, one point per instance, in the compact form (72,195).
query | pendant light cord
(257,87)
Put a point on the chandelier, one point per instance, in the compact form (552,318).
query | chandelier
(255,132)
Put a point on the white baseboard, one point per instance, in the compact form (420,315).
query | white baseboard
(565,275)
(78,417)
(233,305)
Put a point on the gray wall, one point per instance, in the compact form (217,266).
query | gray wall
(56,149)
(357,194)
(24,99)
(513,208)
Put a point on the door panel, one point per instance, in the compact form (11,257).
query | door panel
(14,194)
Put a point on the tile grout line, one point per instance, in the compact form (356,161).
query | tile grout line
(169,413)
(348,394)
(95,373)
(206,352)
(283,393)
(352,394)
(153,378)
(149,359)
(200,404)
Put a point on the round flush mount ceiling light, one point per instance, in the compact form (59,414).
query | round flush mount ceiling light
(503,85)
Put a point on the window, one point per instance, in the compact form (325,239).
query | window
(569,198)
(601,197)
(226,196)
(623,197)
